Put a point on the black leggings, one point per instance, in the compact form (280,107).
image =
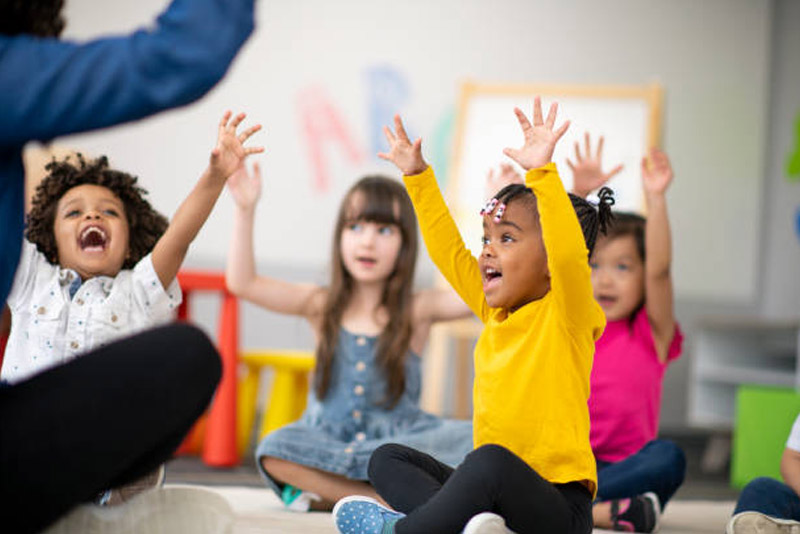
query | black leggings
(99,421)
(440,499)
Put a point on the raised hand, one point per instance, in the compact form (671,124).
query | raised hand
(540,138)
(587,171)
(407,156)
(229,153)
(245,187)
(497,180)
(657,173)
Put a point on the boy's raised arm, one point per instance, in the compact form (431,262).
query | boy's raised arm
(226,157)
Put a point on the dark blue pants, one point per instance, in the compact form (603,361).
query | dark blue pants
(658,467)
(768,496)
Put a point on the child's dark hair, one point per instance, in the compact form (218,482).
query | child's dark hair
(34,17)
(630,224)
(145,225)
(593,218)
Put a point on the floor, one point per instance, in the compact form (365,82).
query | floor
(703,505)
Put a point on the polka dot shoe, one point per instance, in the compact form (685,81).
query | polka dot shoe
(362,515)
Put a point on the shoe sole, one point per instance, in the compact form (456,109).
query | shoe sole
(652,497)
(487,523)
(164,510)
(757,522)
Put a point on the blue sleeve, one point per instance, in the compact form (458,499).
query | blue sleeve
(50,87)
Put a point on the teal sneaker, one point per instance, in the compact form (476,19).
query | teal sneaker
(362,515)
(296,499)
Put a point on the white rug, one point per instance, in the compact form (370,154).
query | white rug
(189,509)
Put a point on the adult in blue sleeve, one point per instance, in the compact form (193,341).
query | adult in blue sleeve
(115,414)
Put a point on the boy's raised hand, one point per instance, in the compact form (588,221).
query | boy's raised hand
(587,171)
(657,173)
(245,187)
(540,138)
(407,156)
(497,180)
(230,151)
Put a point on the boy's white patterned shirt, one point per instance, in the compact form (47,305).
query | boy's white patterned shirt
(49,328)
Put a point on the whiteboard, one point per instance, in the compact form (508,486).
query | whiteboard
(628,118)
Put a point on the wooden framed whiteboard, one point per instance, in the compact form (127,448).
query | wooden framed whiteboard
(628,116)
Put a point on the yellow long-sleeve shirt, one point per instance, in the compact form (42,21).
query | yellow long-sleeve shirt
(532,366)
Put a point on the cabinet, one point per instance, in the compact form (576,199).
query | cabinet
(730,352)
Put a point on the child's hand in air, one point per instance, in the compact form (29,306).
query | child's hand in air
(587,172)
(540,138)
(657,175)
(405,155)
(497,180)
(245,187)
(230,152)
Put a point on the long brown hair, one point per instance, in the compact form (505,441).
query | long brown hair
(383,200)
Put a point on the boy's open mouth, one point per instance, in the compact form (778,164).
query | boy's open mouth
(93,239)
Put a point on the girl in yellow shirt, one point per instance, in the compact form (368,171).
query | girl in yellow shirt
(532,467)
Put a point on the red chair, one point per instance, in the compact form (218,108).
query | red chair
(218,431)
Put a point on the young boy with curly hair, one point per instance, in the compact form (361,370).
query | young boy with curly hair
(99,262)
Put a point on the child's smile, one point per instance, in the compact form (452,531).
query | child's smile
(91,231)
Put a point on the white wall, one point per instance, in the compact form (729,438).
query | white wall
(721,63)
(712,57)
(781,244)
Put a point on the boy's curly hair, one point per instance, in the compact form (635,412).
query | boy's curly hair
(145,225)
(35,17)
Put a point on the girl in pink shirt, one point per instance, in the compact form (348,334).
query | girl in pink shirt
(637,474)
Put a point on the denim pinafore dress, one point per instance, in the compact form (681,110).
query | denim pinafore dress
(339,433)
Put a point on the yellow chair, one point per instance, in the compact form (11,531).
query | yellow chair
(287,397)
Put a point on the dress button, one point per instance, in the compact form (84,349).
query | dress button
(79,302)
(113,318)
(361,340)
(358,390)
(42,310)
(349,450)
(356,414)
(361,436)
(360,366)
(74,344)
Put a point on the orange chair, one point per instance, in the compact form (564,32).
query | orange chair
(218,431)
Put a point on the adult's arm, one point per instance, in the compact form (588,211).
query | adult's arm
(50,87)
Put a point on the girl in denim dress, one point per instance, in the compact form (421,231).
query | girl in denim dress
(370,328)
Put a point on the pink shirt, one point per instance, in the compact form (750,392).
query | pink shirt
(625,399)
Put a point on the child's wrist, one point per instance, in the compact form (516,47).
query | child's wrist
(416,169)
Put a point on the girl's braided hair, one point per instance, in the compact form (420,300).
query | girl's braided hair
(593,219)
(145,225)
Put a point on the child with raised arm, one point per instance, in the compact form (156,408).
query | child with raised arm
(631,275)
(370,328)
(99,262)
(533,467)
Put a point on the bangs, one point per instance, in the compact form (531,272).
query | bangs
(373,205)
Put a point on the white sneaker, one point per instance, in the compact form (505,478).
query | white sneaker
(165,510)
(758,523)
(487,523)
